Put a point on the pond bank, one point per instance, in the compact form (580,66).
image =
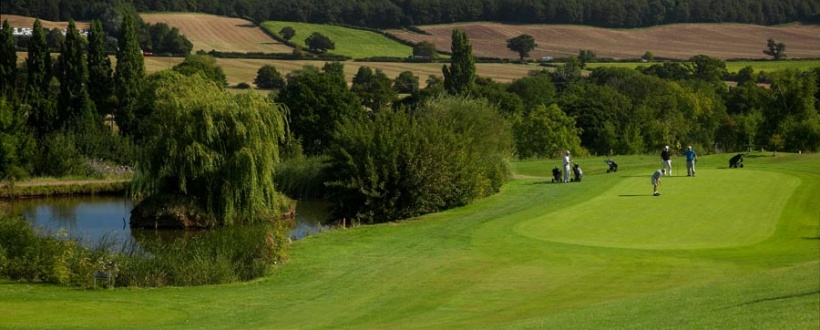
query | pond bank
(62,188)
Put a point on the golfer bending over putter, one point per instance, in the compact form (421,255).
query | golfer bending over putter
(656,181)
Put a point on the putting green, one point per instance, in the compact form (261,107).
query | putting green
(633,218)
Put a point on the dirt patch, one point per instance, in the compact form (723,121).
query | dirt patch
(210,32)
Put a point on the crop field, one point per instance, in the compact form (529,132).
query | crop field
(244,70)
(676,41)
(211,32)
(731,66)
(728,249)
(27,22)
(349,42)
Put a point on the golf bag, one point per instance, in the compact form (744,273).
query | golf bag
(736,161)
(556,175)
(613,166)
(576,170)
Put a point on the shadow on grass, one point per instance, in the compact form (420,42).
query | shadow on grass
(796,295)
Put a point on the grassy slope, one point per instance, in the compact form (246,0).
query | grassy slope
(492,264)
(349,42)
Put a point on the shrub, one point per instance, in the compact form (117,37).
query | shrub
(400,165)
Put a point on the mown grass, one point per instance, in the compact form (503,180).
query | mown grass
(349,42)
(493,264)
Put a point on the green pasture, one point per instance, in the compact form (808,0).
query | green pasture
(349,42)
(729,249)
(731,66)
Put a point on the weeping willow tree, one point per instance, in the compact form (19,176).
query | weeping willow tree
(210,148)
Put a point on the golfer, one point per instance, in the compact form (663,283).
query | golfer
(691,158)
(666,160)
(567,162)
(656,181)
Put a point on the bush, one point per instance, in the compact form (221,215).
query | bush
(302,177)
(400,165)
(243,85)
(222,256)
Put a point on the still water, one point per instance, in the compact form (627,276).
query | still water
(94,218)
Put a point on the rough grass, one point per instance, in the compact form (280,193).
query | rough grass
(677,41)
(349,42)
(731,66)
(474,267)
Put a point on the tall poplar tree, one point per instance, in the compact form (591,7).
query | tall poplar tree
(8,60)
(73,104)
(459,77)
(129,76)
(100,80)
(38,79)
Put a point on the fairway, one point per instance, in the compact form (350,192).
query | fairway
(721,208)
(728,249)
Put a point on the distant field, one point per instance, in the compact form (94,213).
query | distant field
(678,41)
(349,42)
(244,70)
(25,21)
(731,66)
(210,32)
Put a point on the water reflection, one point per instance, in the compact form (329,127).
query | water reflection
(92,219)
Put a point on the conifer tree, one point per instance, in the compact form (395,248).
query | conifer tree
(72,73)
(459,77)
(129,76)
(8,60)
(38,80)
(100,80)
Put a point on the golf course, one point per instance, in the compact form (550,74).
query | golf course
(729,248)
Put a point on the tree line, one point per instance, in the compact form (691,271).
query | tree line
(442,143)
(398,13)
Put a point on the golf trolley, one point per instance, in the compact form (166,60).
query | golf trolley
(613,166)
(736,161)
(556,175)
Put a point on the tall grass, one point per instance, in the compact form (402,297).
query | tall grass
(210,257)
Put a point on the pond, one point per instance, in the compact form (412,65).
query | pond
(92,219)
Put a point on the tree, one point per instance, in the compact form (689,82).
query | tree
(205,65)
(38,93)
(16,143)
(708,68)
(648,56)
(8,60)
(373,88)
(777,50)
(534,90)
(424,50)
(546,132)
(522,44)
(74,106)
(287,33)
(319,43)
(317,101)
(215,149)
(406,83)
(403,164)
(268,77)
(100,80)
(459,77)
(128,79)
(586,56)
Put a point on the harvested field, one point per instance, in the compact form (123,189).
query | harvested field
(244,70)
(210,32)
(676,41)
(25,21)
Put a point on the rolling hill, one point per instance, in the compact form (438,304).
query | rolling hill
(677,41)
